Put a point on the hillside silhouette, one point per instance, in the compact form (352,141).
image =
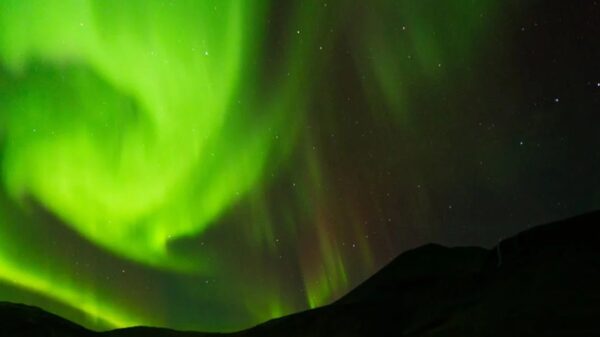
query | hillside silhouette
(544,281)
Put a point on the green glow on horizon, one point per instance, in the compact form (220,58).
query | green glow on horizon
(72,295)
(39,273)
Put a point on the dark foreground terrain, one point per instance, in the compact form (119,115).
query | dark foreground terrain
(542,282)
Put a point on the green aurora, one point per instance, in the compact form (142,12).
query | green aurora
(158,156)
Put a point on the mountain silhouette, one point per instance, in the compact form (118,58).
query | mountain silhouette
(542,282)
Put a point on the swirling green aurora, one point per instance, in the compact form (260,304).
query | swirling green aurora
(213,164)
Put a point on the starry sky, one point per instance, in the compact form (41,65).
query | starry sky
(210,165)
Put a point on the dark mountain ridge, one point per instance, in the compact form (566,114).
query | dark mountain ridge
(544,281)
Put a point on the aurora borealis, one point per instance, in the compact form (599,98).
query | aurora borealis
(211,164)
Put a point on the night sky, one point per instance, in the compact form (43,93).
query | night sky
(212,164)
